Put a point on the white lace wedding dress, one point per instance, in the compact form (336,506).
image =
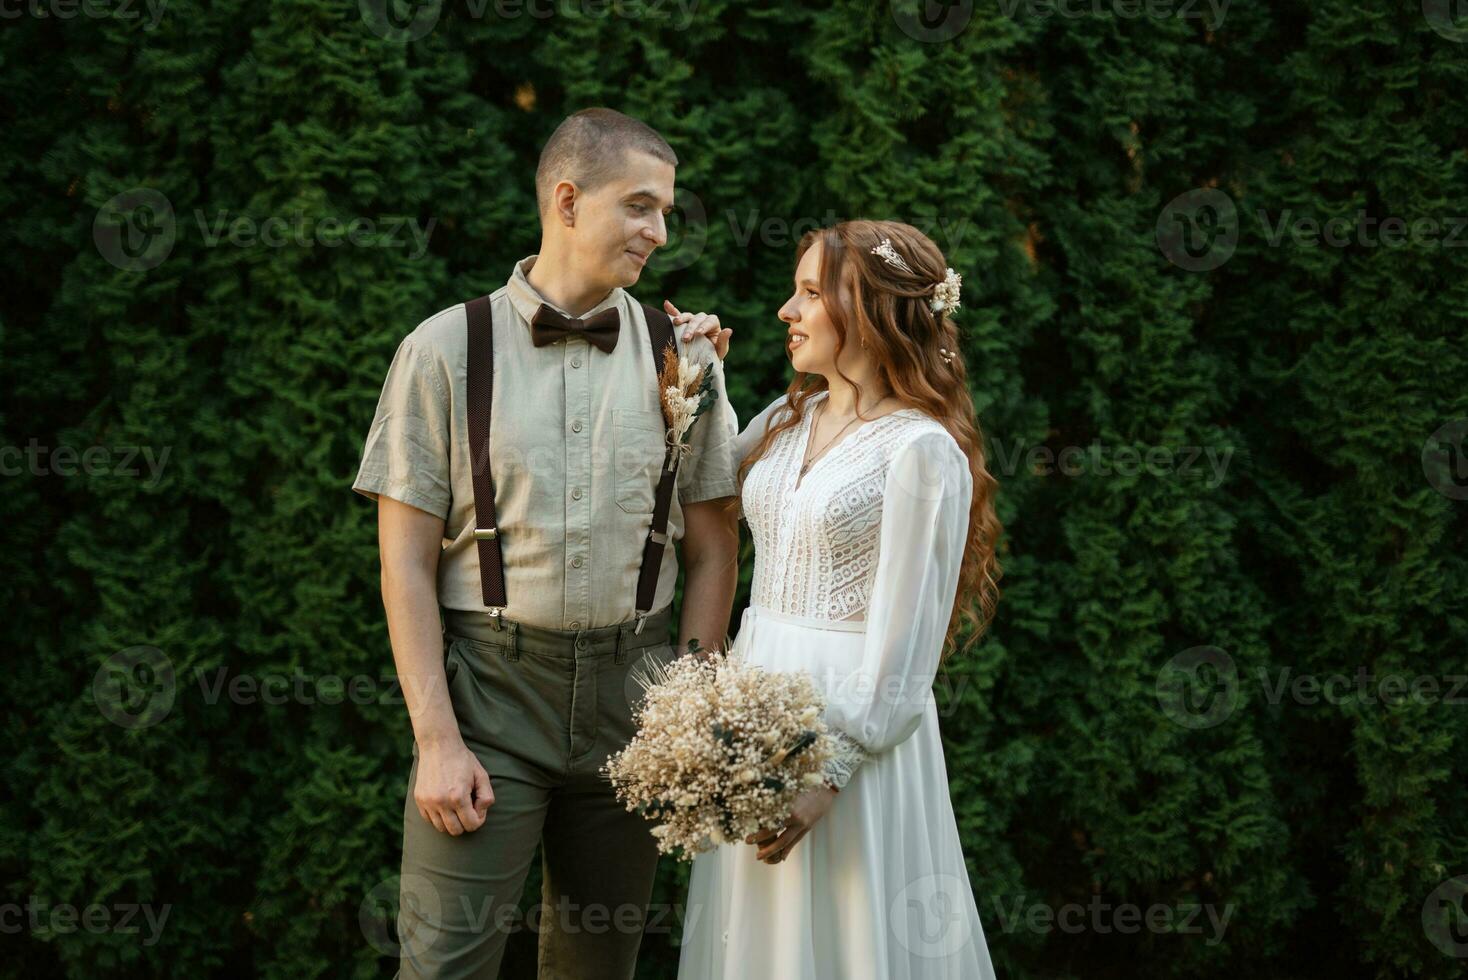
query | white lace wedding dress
(856,567)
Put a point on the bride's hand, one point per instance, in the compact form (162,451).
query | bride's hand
(805,813)
(705,324)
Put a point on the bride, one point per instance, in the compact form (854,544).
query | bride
(873,519)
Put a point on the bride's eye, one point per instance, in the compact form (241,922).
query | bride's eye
(813,294)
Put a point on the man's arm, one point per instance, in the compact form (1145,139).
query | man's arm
(410,542)
(452,789)
(710,554)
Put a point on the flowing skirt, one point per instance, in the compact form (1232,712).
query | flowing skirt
(877,890)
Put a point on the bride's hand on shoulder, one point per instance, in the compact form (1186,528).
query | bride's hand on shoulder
(807,810)
(705,324)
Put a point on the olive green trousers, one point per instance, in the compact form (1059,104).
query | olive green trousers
(542,709)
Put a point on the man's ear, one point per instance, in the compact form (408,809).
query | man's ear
(563,202)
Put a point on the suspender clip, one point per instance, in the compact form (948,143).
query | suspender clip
(641,618)
(494,617)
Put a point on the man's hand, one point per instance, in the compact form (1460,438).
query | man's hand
(705,324)
(805,813)
(452,789)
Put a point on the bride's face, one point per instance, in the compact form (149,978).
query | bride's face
(811,339)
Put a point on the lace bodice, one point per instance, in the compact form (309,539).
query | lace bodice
(816,536)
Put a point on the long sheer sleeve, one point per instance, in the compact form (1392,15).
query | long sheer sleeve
(750,436)
(924,526)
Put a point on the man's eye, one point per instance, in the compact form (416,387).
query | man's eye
(639,208)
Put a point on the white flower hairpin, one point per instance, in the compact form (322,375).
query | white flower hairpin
(945,293)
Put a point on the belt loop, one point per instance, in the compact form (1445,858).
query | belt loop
(621,656)
(512,645)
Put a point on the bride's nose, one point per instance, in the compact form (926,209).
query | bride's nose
(788,314)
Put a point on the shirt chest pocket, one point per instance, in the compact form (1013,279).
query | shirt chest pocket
(637,457)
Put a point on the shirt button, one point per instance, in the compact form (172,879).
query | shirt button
(576,493)
(576,362)
(576,562)
(576,426)
(575,624)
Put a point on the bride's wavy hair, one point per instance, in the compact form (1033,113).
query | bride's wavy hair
(889,310)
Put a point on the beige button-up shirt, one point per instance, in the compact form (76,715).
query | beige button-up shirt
(576,442)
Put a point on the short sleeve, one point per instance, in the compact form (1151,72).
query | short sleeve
(406,456)
(924,527)
(708,473)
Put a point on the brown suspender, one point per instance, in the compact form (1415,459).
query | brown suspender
(486,531)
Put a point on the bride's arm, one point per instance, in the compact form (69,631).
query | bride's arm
(924,526)
(749,437)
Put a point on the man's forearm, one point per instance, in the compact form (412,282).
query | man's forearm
(411,601)
(708,598)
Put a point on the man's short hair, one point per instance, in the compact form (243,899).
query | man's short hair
(589,147)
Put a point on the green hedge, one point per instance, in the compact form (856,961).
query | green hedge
(1297,519)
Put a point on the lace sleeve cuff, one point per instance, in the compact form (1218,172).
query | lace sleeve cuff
(848,755)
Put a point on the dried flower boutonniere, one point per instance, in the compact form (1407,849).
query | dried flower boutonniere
(686,391)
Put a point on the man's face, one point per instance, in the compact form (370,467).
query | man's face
(620,223)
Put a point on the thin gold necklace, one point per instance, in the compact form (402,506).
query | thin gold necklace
(811,460)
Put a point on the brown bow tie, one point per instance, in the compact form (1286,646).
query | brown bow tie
(548,326)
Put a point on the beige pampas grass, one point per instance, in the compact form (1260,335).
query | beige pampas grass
(722,750)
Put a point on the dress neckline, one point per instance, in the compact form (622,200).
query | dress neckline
(807,431)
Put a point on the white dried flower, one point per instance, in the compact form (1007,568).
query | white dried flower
(723,748)
(946,293)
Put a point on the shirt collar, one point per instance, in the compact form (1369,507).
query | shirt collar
(527,299)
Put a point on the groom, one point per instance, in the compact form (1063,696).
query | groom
(516,460)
